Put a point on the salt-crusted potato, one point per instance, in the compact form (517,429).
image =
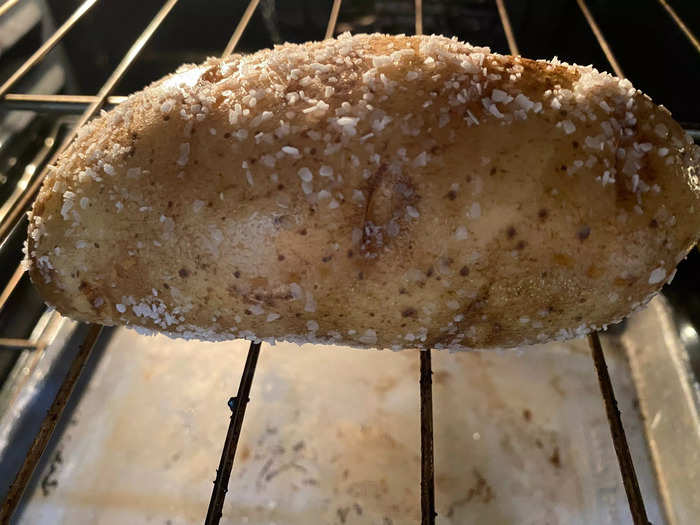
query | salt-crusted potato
(374,191)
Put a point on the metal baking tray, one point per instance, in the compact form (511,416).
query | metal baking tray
(332,434)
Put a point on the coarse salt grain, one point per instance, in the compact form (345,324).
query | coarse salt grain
(295,290)
(475,210)
(524,102)
(498,95)
(184,154)
(568,127)
(380,61)
(348,124)
(461,233)
(658,275)
(305,174)
(256,309)
(494,111)
(421,160)
(369,337)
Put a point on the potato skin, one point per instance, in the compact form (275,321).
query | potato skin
(375,191)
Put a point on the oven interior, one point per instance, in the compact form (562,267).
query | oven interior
(647,43)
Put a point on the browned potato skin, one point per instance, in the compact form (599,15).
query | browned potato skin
(550,253)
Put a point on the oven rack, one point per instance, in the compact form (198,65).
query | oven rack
(87,106)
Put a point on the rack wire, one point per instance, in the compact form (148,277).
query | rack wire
(681,25)
(47,46)
(87,106)
(600,38)
(49,423)
(4,8)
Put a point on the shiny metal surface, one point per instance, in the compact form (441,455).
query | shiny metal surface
(681,25)
(68,104)
(333,19)
(669,401)
(48,425)
(520,437)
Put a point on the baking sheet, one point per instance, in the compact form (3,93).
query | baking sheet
(332,436)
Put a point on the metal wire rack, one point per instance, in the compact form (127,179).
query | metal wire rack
(87,106)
